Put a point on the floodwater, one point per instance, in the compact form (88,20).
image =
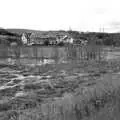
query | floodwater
(111,55)
(14,84)
(53,55)
(11,79)
(47,55)
(31,62)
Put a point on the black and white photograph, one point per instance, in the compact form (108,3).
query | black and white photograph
(59,60)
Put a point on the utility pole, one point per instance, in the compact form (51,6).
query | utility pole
(100,29)
(70,28)
(103,29)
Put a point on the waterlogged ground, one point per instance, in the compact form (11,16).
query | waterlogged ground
(31,85)
(14,83)
(112,53)
(26,86)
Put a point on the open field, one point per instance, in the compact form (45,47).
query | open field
(64,91)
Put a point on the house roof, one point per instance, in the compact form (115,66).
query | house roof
(48,34)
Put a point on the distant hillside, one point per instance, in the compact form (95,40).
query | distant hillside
(20,31)
(7,37)
(38,33)
(5,32)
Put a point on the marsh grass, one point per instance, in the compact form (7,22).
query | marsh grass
(92,103)
(100,100)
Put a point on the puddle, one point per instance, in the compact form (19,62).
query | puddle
(8,70)
(20,93)
(112,55)
(118,73)
(70,78)
(11,61)
(34,62)
(81,74)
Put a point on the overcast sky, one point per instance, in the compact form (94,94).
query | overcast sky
(81,15)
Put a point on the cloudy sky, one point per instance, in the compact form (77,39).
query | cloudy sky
(81,15)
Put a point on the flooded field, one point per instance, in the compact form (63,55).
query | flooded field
(41,81)
(53,83)
(42,56)
(38,55)
(20,83)
(111,53)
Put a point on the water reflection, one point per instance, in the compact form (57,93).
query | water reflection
(51,55)
(34,62)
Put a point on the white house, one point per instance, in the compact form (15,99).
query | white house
(71,40)
(67,39)
(24,38)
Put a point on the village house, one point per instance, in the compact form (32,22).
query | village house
(39,39)
(84,42)
(26,38)
(45,39)
(52,41)
(65,39)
